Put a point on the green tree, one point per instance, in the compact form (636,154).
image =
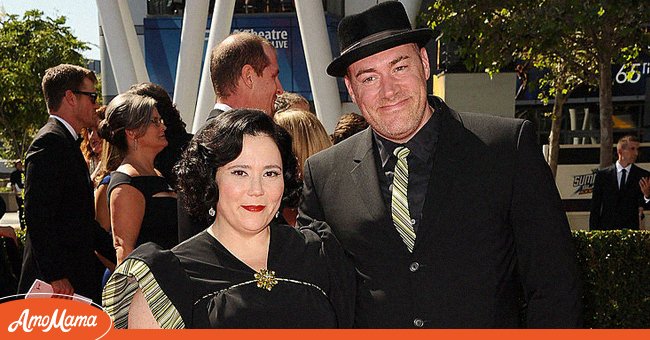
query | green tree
(610,31)
(574,41)
(553,48)
(493,35)
(28,47)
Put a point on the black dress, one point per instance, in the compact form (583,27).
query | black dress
(160,221)
(200,284)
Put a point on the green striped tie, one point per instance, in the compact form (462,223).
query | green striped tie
(399,200)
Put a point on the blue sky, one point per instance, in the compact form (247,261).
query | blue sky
(81,16)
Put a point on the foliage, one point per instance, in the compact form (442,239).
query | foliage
(575,41)
(561,36)
(608,32)
(28,47)
(493,35)
(615,269)
(21,235)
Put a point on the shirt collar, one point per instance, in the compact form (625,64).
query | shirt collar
(420,145)
(619,167)
(221,106)
(67,126)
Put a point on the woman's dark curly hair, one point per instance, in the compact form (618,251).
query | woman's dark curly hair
(219,143)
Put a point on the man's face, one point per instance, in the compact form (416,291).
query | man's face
(628,153)
(390,89)
(85,109)
(267,86)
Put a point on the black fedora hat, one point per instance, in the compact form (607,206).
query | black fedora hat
(377,29)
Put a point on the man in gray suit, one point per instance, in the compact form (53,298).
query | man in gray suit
(452,220)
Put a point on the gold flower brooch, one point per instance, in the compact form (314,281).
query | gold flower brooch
(266,279)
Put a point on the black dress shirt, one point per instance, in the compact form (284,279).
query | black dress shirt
(420,163)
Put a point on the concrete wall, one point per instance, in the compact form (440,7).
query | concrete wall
(477,92)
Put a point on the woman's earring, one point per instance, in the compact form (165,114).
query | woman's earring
(135,143)
(277,214)
(212,212)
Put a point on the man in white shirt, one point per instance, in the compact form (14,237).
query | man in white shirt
(621,191)
(62,234)
(245,74)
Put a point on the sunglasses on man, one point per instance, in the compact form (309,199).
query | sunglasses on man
(92,95)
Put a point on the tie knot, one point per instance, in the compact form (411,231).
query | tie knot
(401,152)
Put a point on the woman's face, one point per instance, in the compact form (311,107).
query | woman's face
(95,141)
(154,135)
(250,187)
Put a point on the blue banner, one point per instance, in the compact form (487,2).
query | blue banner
(162,37)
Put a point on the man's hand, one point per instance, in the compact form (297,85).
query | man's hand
(644,183)
(62,286)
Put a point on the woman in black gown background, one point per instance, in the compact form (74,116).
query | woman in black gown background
(142,204)
(244,271)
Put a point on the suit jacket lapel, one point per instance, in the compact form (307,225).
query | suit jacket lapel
(447,167)
(364,175)
(633,178)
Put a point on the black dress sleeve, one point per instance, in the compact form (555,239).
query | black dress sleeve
(164,284)
(341,272)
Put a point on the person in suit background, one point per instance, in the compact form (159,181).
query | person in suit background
(245,74)
(621,191)
(244,71)
(62,234)
(451,219)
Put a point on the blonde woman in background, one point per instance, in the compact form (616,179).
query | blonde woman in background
(308,137)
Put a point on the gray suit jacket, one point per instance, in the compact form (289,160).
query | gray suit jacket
(493,237)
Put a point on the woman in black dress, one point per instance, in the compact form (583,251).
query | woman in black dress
(142,205)
(244,271)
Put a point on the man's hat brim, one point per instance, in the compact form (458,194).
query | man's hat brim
(338,67)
